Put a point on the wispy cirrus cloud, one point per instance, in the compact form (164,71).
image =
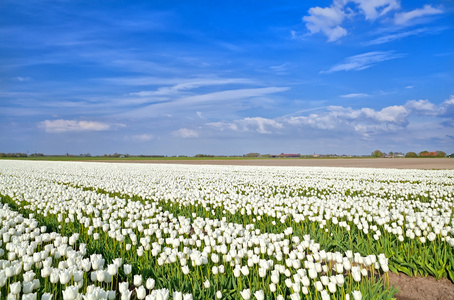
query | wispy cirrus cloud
(407,18)
(363,61)
(355,95)
(229,100)
(22,79)
(56,126)
(231,94)
(191,84)
(397,36)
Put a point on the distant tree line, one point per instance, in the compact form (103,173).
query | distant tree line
(116,155)
(378,153)
(252,154)
(13,154)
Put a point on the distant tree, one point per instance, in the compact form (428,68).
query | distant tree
(252,155)
(441,154)
(411,154)
(424,153)
(377,153)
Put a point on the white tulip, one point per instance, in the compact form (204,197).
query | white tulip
(127,269)
(295,296)
(177,295)
(150,283)
(141,292)
(123,287)
(246,294)
(46,296)
(15,288)
(112,269)
(70,292)
(207,284)
(357,295)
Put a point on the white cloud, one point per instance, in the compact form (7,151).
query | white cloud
(186,133)
(373,9)
(189,85)
(364,121)
(450,101)
(330,20)
(422,107)
(407,18)
(326,20)
(355,95)
(280,69)
(363,61)
(257,124)
(447,108)
(141,137)
(22,79)
(319,121)
(231,95)
(231,100)
(224,125)
(72,125)
(398,36)
(395,122)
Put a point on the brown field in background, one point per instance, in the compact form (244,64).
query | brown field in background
(396,163)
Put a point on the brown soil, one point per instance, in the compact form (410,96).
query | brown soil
(396,163)
(421,288)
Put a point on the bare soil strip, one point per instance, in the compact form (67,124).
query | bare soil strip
(388,163)
(421,288)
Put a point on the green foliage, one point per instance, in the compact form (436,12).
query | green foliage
(411,154)
(377,153)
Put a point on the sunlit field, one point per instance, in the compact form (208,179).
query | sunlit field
(86,230)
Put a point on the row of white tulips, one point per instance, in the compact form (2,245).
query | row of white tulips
(58,259)
(275,193)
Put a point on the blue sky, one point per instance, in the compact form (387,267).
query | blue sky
(230,77)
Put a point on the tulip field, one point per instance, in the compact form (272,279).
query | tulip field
(78,230)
